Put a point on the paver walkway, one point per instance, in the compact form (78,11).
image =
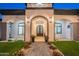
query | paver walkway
(39,49)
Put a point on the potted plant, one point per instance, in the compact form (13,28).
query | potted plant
(33,37)
(46,38)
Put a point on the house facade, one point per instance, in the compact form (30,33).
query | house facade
(39,20)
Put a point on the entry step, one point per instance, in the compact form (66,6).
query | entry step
(39,39)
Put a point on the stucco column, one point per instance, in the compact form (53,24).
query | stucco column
(27,30)
(51,29)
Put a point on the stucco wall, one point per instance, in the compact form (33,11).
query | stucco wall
(15,19)
(71,18)
(67,32)
(0,30)
(0,34)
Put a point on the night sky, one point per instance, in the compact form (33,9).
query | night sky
(12,6)
(22,6)
(66,5)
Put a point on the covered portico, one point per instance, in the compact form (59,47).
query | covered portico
(39,22)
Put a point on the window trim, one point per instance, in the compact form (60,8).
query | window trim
(22,28)
(56,29)
(10,28)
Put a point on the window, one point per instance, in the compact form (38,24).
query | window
(21,28)
(58,28)
(10,29)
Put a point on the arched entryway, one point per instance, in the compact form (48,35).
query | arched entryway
(39,28)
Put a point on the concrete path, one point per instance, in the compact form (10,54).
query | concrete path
(39,49)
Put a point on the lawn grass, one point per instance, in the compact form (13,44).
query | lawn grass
(10,47)
(68,48)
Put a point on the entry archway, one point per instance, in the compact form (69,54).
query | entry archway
(39,27)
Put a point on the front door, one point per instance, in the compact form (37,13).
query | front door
(39,30)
